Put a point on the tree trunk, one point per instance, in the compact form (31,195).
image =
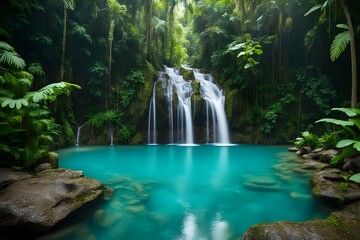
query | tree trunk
(111,38)
(353,55)
(62,63)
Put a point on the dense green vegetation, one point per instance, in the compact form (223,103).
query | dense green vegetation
(283,64)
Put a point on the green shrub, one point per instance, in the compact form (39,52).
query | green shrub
(307,140)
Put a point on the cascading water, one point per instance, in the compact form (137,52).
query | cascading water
(78,134)
(172,82)
(215,99)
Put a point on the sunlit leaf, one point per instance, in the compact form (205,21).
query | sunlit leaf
(339,44)
(336,121)
(344,143)
(342,26)
(357,146)
(314,8)
(351,112)
(355,178)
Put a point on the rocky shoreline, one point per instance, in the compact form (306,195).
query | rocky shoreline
(329,184)
(32,203)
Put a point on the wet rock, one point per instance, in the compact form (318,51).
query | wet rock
(326,184)
(41,201)
(341,225)
(314,165)
(327,155)
(108,193)
(42,167)
(304,150)
(352,164)
(293,149)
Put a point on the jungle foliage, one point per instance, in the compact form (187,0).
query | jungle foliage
(273,62)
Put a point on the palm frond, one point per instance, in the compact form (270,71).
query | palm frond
(339,44)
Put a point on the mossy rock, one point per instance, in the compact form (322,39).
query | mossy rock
(339,225)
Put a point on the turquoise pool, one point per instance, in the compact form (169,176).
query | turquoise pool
(188,192)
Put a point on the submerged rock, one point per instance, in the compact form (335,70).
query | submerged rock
(38,202)
(341,225)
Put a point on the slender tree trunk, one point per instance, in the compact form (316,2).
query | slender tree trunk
(148,17)
(111,38)
(353,55)
(62,63)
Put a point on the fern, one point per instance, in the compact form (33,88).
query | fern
(9,57)
(339,44)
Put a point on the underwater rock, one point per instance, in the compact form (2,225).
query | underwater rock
(37,203)
(296,195)
(326,184)
(314,165)
(136,209)
(340,225)
(108,193)
(261,183)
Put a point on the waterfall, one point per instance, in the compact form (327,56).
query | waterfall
(184,92)
(215,98)
(174,83)
(78,134)
(111,133)
(152,112)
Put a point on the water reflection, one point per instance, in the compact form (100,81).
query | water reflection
(220,229)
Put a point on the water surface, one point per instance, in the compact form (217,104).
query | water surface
(188,192)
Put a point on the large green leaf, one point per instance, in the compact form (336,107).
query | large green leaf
(345,143)
(339,44)
(351,112)
(355,178)
(336,121)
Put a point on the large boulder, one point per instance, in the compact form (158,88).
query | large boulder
(341,225)
(37,203)
(330,184)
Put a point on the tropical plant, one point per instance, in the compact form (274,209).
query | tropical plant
(340,42)
(27,128)
(248,50)
(350,142)
(307,139)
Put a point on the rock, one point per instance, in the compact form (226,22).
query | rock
(326,185)
(314,165)
(293,149)
(42,167)
(352,164)
(340,225)
(259,182)
(53,159)
(108,193)
(327,155)
(39,202)
(136,209)
(7,176)
(304,150)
